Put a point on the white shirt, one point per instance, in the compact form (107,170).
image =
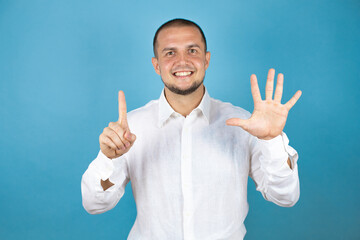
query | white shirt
(189,175)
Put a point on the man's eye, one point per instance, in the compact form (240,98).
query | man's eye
(192,51)
(170,53)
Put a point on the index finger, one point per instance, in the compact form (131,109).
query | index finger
(293,100)
(255,89)
(122,107)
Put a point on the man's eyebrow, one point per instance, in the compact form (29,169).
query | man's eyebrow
(193,46)
(188,46)
(168,49)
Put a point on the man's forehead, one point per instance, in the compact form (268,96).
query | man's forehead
(179,34)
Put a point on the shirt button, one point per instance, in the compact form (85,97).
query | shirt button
(187,214)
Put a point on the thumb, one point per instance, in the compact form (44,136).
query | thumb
(129,136)
(237,122)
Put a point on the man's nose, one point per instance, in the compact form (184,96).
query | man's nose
(182,58)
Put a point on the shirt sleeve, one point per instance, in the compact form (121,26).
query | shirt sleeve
(95,200)
(270,171)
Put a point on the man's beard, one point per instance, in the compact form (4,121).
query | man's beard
(184,92)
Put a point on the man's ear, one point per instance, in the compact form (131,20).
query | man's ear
(155,63)
(207,59)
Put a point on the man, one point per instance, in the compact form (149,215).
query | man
(189,156)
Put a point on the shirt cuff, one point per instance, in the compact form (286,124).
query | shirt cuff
(104,166)
(278,151)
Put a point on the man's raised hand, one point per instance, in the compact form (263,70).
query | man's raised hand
(269,116)
(116,139)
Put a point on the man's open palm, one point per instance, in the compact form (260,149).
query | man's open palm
(269,116)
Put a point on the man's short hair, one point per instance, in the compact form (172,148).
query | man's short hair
(178,22)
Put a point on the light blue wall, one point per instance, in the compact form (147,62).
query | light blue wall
(62,63)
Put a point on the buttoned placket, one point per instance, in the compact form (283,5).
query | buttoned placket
(186,178)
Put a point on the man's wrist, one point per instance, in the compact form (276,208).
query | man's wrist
(106,184)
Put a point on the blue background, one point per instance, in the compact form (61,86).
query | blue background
(62,63)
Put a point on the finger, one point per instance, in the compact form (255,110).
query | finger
(133,137)
(269,89)
(108,142)
(122,108)
(255,89)
(279,88)
(120,132)
(118,152)
(243,123)
(293,100)
(114,138)
(236,122)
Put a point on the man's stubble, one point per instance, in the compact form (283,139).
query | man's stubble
(184,92)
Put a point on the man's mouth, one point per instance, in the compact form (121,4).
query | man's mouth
(183,74)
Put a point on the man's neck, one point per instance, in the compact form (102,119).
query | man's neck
(184,104)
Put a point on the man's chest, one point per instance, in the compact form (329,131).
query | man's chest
(197,154)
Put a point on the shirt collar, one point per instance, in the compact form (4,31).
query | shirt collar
(165,110)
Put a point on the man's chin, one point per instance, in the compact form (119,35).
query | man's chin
(183,91)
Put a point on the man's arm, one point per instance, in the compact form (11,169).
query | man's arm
(97,184)
(273,163)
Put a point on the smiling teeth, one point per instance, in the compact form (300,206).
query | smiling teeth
(181,74)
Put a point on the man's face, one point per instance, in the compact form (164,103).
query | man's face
(181,59)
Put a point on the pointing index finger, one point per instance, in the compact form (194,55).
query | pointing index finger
(122,107)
